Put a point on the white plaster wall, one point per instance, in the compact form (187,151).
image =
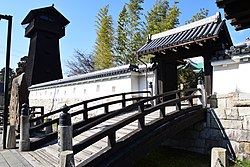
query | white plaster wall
(244,77)
(54,98)
(231,77)
(225,78)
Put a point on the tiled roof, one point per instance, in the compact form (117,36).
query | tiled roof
(205,29)
(96,75)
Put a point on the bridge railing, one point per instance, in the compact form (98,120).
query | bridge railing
(139,116)
(124,98)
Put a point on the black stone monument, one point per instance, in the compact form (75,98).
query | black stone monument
(45,26)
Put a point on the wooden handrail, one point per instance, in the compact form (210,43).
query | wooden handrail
(85,110)
(109,132)
(85,102)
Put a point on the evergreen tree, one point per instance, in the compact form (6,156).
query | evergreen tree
(122,50)
(103,50)
(156,17)
(172,18)
(162,17)
(135,33)
(203,13)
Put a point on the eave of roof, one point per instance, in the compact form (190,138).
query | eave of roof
(34,12)
(199,31)
(237,11)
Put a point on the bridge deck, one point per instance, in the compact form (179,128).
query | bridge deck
(49,155)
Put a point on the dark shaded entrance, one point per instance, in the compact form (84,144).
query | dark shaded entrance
(202,38)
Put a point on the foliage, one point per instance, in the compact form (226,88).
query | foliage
(161,18)
(11,74)
(165,157)
(21,65)
(103,51)
(122,51)
(156,17)
(203,13)
(187,77)
(240,163)
(80,64)
(135,26)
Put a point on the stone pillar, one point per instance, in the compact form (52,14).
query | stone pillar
(11,136)
(67,159)
(65,135)
(219,157)
(24,142)
(203,98)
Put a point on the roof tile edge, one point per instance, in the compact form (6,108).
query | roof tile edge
(214,18)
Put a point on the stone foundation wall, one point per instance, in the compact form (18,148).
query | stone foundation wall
(227,126)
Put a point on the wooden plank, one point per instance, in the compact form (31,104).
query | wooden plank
(11,159)
(46,156)
(54,151)
(43,160)
(31,159)
(20,158)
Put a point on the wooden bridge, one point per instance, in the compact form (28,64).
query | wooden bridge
(118,137)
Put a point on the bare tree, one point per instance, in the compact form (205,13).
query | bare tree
(81,63)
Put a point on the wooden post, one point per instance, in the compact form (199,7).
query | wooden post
(203,98)
(24,142)
(208,75)
(85,113)
(141,121)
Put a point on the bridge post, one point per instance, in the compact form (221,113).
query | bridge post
(65,135)
(24,142)
(65,131)
(141,121)
(151,92)
(219,157)
(203,98)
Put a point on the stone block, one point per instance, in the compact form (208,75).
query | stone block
(246,123)
(222,103)
(244,96)
(231,124)
(219,157)
(244,111)
(243,156)
(220,113)
(11,136)
(229,102)
(67,158)
(244,147)
(232,113)
(235,146)
(238,135)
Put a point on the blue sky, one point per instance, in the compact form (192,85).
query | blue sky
(80,33)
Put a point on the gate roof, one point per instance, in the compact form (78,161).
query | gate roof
(198,33)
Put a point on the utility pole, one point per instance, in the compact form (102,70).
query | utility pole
(6,78)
